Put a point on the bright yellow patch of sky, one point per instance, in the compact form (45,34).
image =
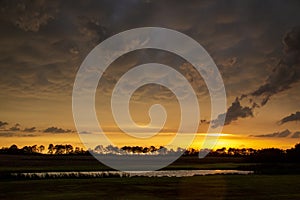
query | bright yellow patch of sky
(119,139)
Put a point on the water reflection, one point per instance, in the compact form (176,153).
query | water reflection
(98,174)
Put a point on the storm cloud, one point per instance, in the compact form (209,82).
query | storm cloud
(45,43)
(286,72)
(283,75)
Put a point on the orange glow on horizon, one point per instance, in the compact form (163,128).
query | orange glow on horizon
(225,140)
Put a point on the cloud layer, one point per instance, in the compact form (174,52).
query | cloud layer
(45,43)
(17,130)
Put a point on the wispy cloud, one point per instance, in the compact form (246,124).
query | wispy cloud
(290,118)
(16,134)
(283,134)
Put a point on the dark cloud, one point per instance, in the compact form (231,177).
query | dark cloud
(32,129)
(283,75)
(3,124)
(284,133)
(56,130)
(286,72)
(28,15)
(44,62)
(41,58)
(45,43)
(234,112)
(229,62)
(193,76)
(16,127)
(290,118)
(296,135)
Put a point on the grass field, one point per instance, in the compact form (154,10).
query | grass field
(255,186)
(34,163)
(199,187)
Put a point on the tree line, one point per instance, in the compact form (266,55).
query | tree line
(41,149)
(257,155)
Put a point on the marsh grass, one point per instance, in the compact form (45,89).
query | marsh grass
(199,187)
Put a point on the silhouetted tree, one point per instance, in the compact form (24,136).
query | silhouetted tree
(69,149)
(59,149)
(269,155)
(152,149)
(77,150)
(34,148)
(41,148)
(13,149)
(50,148)
(221,152)
(293,154)
(231,152)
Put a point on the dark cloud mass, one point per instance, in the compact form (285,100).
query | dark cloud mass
(290,118)
(3,124)
(286,72)
(283,75)
(42,57)
(29,15)
(234,112)
(56,130)
(32,129)
(44,42)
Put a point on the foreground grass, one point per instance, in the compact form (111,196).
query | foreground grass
(39,163)
(199,187)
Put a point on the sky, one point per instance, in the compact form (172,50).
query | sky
(255,45)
